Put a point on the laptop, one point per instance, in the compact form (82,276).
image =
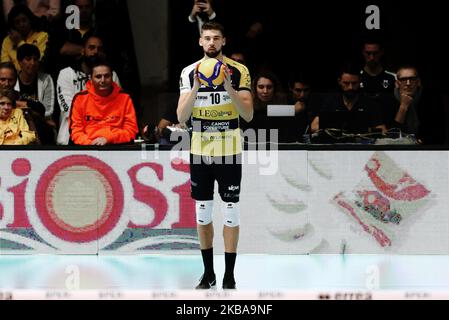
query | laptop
(280,110)
(345,121)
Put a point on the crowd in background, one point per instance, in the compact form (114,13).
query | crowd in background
(46,58)
(295,53)
(299,53)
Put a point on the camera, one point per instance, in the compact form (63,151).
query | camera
(203,15)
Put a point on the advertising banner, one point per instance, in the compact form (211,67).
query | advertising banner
(292,202)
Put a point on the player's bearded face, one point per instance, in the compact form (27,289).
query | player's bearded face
(213,53)
(212,42)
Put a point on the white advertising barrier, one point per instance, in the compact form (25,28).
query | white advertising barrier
(292,202)
(86,202)
(349,202)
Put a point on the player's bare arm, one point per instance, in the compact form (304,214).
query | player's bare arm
(187,100)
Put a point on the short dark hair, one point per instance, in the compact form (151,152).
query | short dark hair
(300,77)
(351,68)
(211,25)
(88,36)
(28,50)
(10,94)
(9,65)
(373,37)
(22,9)
(373,41)
(98,62)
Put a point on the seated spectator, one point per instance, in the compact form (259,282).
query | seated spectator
(267,91)
(72,80)
(35,85)
(22,29)
(169,119)
(102,114)
(8,75)
(418,111)
(14,129)
(49,9)
(8,80)
(359,112)
(300,93)
(33,110)
(167,124)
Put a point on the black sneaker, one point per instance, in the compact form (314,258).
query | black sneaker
(228,283)
(207,282)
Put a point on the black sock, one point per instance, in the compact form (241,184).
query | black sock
(208,261)
(230,263)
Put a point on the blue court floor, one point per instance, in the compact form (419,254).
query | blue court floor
(253,272)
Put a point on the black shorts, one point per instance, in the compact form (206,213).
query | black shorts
(227,171)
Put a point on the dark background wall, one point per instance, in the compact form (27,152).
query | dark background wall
(319,35)
(299,35)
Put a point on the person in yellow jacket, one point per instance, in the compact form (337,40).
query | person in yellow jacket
(102,114)
(22,29)
(14,129)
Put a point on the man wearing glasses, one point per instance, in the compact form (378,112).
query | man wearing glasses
(418,111)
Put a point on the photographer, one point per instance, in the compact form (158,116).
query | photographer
(202,12)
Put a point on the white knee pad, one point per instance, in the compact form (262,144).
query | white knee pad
(204,212)
(231,212)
